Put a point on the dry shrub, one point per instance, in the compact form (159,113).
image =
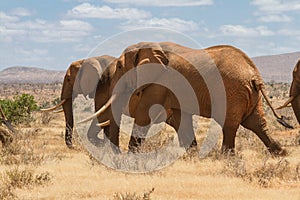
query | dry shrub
(157,141)
(19,178)
(133,196)
(265,173)
(46,117)
(23,150)
(6,192)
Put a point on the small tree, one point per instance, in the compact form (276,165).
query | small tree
(19,109)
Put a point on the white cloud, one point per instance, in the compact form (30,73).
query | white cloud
(4,18)
(64,31)
(75,25)
(275,10)
(172,23)
(87,10)
(276,6)
(289,32)
(22,12)
(160,3)
(275,18)
(13,29)
(242,31)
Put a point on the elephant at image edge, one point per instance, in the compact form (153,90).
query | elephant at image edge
(295,92)
(242,81)
(82,77)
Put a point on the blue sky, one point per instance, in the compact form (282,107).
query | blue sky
(51,34)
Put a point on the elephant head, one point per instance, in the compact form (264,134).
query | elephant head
(295,92)
(82,77)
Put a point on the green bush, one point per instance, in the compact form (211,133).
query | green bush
(19,109)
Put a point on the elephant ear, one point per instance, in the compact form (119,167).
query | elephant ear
(73,69)
(88,77)
(296,72)
(295,87)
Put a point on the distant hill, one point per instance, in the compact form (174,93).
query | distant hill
(30,75)
(277,68)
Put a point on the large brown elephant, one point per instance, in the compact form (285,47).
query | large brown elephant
(84,77)
(241,103)
(295,92)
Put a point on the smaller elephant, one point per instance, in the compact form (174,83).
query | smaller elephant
(82,77)
(295,92)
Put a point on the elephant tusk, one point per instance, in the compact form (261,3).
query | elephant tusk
(286,103)
(54,107)
(101,110)
(58,111)
(103,124)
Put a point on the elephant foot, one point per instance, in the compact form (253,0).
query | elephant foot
(277,150)
(68,140)
(193,145)
(227,151)
(192,148)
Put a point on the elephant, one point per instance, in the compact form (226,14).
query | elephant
(242,82)
(294,98)
(82,77)
(5,137)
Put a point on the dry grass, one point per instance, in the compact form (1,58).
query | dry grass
(38,165)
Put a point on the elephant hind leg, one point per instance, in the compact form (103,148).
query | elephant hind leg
(257,123)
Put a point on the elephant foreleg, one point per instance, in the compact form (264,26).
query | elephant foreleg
(68,134)
(114,135)
(257,123)
(184,128)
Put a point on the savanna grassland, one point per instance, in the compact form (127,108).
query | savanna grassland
(38,165)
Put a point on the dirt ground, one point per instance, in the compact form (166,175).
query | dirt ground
(38,165)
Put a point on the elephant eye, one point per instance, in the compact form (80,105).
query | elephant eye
(119,65)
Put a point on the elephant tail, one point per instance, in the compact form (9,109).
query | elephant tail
(260,87)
